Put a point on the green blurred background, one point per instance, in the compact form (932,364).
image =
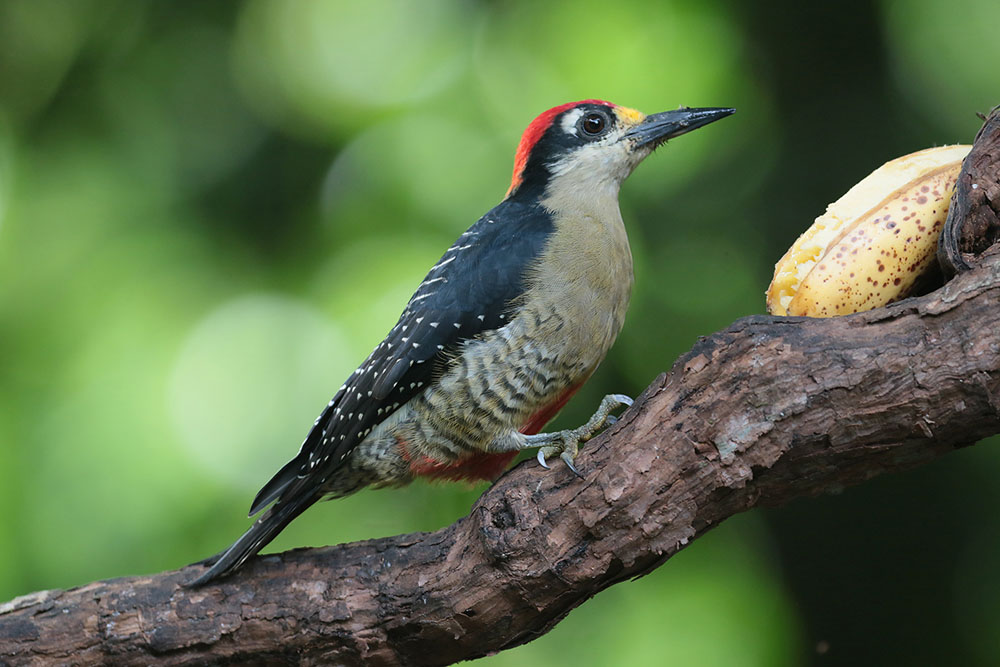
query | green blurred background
(210,212)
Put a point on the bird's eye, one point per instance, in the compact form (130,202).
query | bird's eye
(594,123)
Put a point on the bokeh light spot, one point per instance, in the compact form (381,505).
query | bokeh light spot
(327,63)
(248,381)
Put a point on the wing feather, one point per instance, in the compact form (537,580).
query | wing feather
(470,290)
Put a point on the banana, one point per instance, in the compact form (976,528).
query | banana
(872,244)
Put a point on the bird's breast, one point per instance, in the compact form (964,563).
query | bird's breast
(585,275)
(517,377)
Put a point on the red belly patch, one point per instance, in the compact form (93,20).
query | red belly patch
(482,466)
(471,468)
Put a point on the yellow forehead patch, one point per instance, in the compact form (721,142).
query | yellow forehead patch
(629,116)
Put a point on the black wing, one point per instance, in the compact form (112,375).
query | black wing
(469,291)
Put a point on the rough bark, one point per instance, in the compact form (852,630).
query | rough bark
(765,411)
(768,410)
(974,217)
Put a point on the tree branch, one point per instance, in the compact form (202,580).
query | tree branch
(765,411)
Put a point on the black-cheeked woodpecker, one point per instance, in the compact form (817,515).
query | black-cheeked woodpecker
(510,322)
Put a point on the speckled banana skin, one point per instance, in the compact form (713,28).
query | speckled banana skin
(872,244)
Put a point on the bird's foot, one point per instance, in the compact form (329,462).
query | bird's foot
(567,443)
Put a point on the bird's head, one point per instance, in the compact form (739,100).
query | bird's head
(595,144)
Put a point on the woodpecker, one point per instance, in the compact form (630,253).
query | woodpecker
(504,329)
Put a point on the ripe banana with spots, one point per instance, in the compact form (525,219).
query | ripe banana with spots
(873,243)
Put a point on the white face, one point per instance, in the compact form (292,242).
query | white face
(611,130)
(600,165)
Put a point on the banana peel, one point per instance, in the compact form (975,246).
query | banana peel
(872,244)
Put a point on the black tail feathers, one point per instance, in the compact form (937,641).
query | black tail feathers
(264,529)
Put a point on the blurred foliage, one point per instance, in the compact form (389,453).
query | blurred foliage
(210,212)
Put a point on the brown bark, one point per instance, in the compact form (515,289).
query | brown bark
(974,216)
(765,411)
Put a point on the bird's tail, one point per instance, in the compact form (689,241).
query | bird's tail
(263,530)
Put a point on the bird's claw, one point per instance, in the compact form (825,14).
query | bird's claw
(567,443)
(566,448)
(620,399)
(568,460)
(541,458)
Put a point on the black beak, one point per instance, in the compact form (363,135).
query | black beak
(658,127)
